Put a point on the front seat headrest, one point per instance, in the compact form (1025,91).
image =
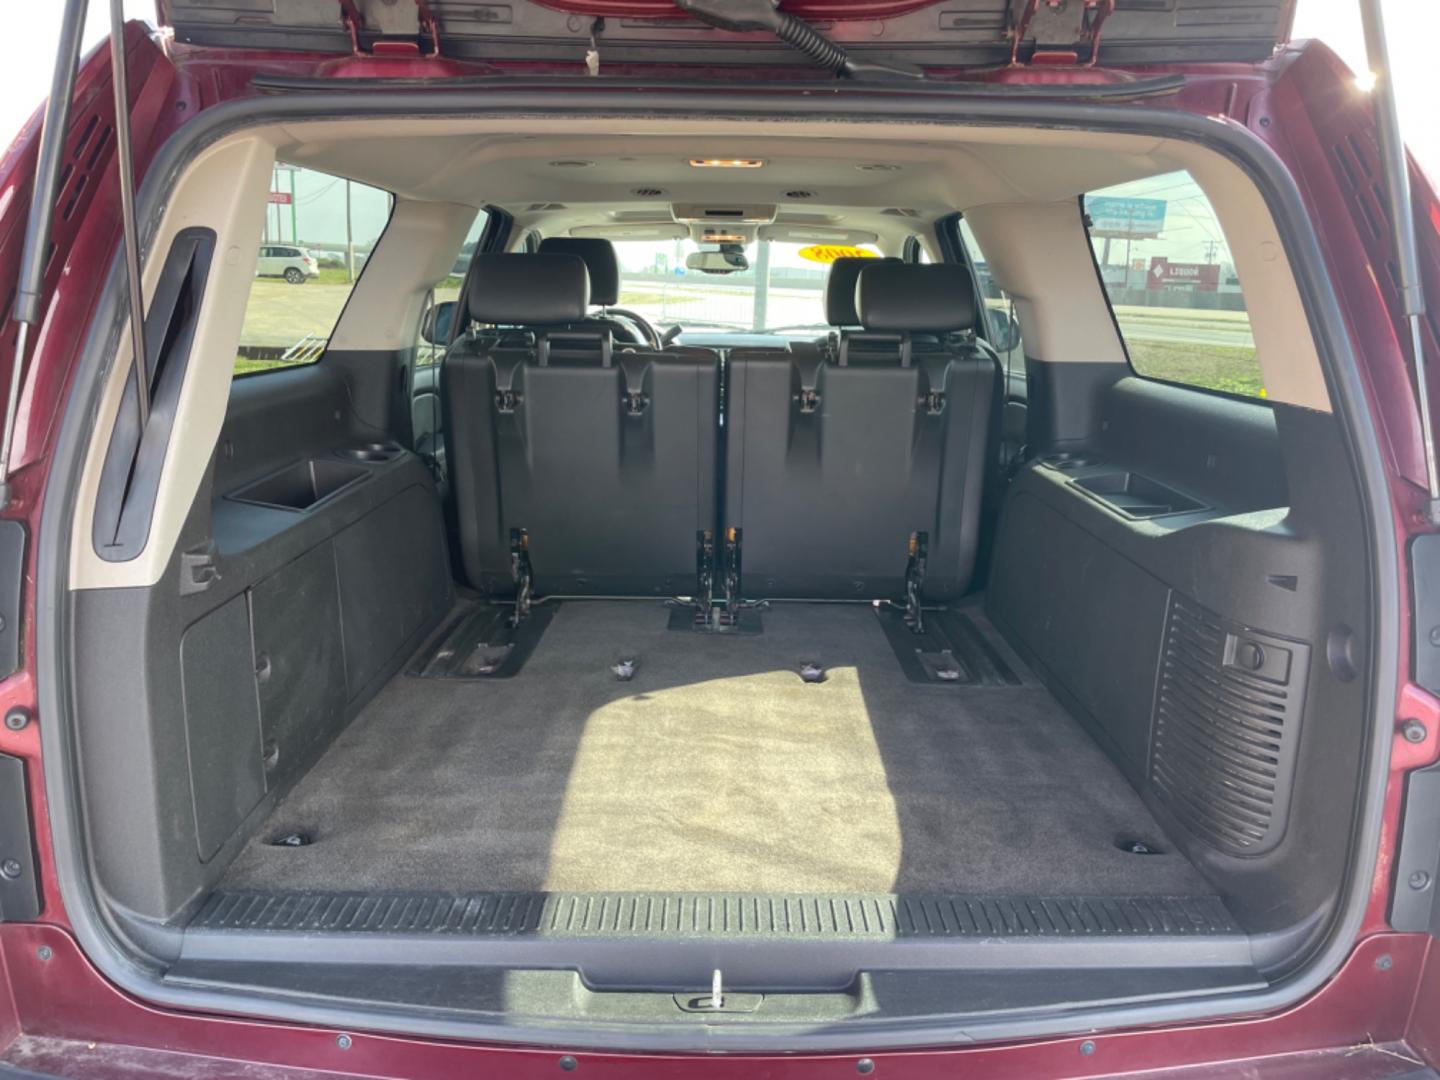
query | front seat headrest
(600,260)
(528,290)
(919,298)
(840,288)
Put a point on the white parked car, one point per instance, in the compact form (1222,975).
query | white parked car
(295,265)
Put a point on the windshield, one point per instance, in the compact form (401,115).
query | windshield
(781,292)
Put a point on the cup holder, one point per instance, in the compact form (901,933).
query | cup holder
(1069,460)
(374,453)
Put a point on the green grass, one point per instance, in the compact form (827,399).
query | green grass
(244,365)
(1233,369)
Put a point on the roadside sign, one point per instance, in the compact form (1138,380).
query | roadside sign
(280,198)
(1119,217)
(828,253)
(1197,277)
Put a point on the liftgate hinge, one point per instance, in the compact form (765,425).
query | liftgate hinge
(1060,29)
(397,32)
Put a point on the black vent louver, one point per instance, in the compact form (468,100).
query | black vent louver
(1228,703)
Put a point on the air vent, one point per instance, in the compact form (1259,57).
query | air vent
(901,211)
(571,163)
(533,207)
(1225,727)
(647,192)
(877,166)
(799,193)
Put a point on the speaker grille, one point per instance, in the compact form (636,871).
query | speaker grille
(1227,714)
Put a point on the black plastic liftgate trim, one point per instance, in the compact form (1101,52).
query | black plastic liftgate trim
(135,969)
(731,916)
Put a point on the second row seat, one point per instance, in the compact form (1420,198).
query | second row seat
(843,457)
(604,455)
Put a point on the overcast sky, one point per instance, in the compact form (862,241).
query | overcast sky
(1412,26)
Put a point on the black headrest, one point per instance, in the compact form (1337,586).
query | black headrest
(840,288)
(528,290)
(922,298)
(600,260)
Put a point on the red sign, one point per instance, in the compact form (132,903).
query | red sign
(1197,277)
(280,198)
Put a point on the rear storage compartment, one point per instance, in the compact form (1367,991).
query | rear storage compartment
(752,667)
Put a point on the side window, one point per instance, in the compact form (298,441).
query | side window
(319,230)
(435,322)
(1003,331)
(1166,268)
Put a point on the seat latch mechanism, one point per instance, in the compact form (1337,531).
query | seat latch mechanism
(915,581)
(731,615)
(809,400)
(522,575)
(934,402)
(704,576)
(506,400)
(635,402)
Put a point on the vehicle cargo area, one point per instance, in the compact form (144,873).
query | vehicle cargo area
(820,570)
(718,769)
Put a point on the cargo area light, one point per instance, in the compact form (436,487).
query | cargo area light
(726,163)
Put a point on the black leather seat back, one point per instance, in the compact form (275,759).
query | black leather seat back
(603,265)
(834,460)
(605,455)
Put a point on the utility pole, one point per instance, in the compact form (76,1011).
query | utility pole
(349,239)
(294,228)
(762,285)
(1129,235)
(270,205)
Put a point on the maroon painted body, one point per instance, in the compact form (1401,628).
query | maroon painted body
(58,1013)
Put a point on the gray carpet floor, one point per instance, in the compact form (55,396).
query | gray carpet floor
(716,769)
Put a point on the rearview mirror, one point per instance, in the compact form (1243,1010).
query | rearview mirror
(717,262)
(1004,330)
(439,320)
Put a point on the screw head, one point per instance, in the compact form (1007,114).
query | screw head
(1384,962)
(1435,635)
(1419,880)
(1087,1048)
(569,1064)
(1413,730)
(343,1042)
(44,952)
(17,719)
(10,869)
(865,1066)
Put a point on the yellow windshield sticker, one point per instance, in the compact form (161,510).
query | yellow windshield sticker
(828,253)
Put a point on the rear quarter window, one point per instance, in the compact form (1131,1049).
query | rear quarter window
(1166,268)
(1002,329)
(319,231)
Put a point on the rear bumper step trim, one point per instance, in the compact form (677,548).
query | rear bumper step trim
(820,917)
